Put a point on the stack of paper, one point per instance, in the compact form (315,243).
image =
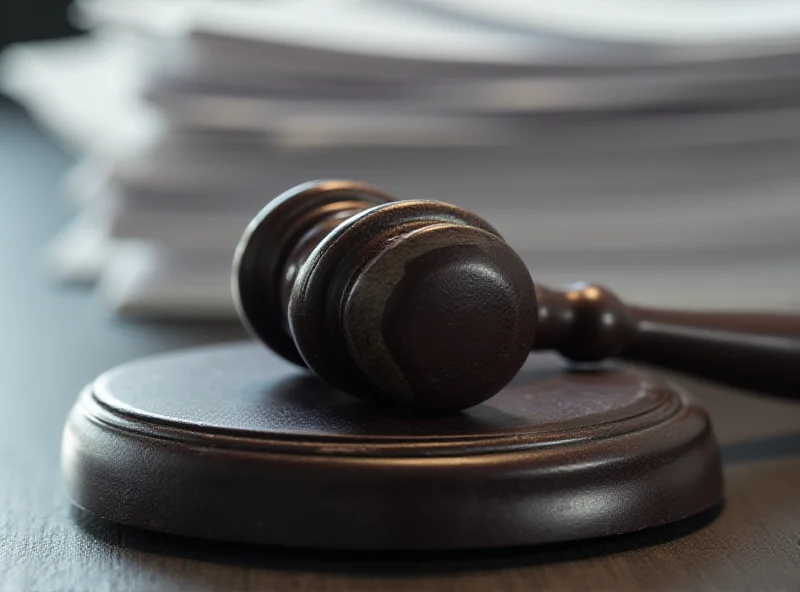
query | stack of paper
(652,148)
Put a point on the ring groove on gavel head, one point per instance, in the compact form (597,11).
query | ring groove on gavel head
(417,302)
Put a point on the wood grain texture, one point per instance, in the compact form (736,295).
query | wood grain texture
(368,292)
(53,341)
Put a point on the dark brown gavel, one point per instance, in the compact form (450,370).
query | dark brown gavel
(423,303)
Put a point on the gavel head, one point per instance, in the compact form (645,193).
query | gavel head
(416,302)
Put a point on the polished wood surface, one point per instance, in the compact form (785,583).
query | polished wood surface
(756,350)
(53,341)
(418,303)
(422,303)
(232,443)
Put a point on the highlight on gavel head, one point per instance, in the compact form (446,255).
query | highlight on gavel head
(416,302)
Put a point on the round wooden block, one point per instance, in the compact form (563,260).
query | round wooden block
(232,443)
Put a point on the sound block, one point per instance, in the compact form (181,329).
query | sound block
(232,443)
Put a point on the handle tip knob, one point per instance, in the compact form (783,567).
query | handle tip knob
(599,324)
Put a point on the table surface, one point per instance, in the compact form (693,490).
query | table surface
(54,339)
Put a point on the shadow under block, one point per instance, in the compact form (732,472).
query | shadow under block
(231,443)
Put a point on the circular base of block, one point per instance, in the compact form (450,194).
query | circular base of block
(232,443)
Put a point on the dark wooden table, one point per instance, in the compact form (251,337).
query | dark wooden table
(55,339)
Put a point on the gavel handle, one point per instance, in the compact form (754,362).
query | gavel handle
(757,351)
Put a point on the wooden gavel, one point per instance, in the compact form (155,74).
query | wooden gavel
(423,303)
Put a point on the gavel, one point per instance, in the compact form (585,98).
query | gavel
(423,303)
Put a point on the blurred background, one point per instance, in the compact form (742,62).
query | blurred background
(650,146)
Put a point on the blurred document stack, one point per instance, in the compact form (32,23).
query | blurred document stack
(652,146)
